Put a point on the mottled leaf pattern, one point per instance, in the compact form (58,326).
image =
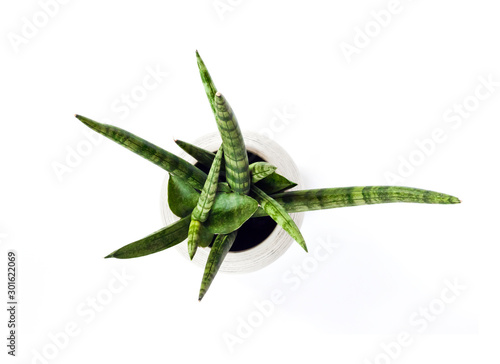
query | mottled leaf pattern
(168,161)
(273,183)
(208,84)
(201,155)
(198,235)
(279,214)
(222,207)
(260,170)
(160,240)
(209,190)
(328,198)
(219,250)
(235,153)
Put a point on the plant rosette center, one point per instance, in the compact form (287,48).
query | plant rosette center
(277,242)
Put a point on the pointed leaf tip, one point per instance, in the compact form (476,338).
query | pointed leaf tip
(280,215)
(220,248)
(85,120)
(162,239)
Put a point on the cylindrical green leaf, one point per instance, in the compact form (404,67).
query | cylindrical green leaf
(219,250)
(329,198)
(235,153)
(208,84)
(209,190)
(166,160)
(279,214)
(160,240)
(273,183)
(201,155)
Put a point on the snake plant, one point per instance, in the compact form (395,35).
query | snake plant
(213,207)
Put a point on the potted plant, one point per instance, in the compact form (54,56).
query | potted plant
(213,206)
(258,243)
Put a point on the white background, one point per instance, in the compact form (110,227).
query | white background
(351,121)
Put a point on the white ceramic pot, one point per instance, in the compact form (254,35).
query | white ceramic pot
(278,242)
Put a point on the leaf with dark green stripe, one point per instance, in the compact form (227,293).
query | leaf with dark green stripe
(208,84)
(279,214)
(182,197)
(218,252)
(198,235)
(166,160)
(229,212)
(329,198)
(235,153)
(261,170)
(209,190)
(160,240)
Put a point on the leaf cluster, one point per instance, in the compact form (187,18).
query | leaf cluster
(213,207)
